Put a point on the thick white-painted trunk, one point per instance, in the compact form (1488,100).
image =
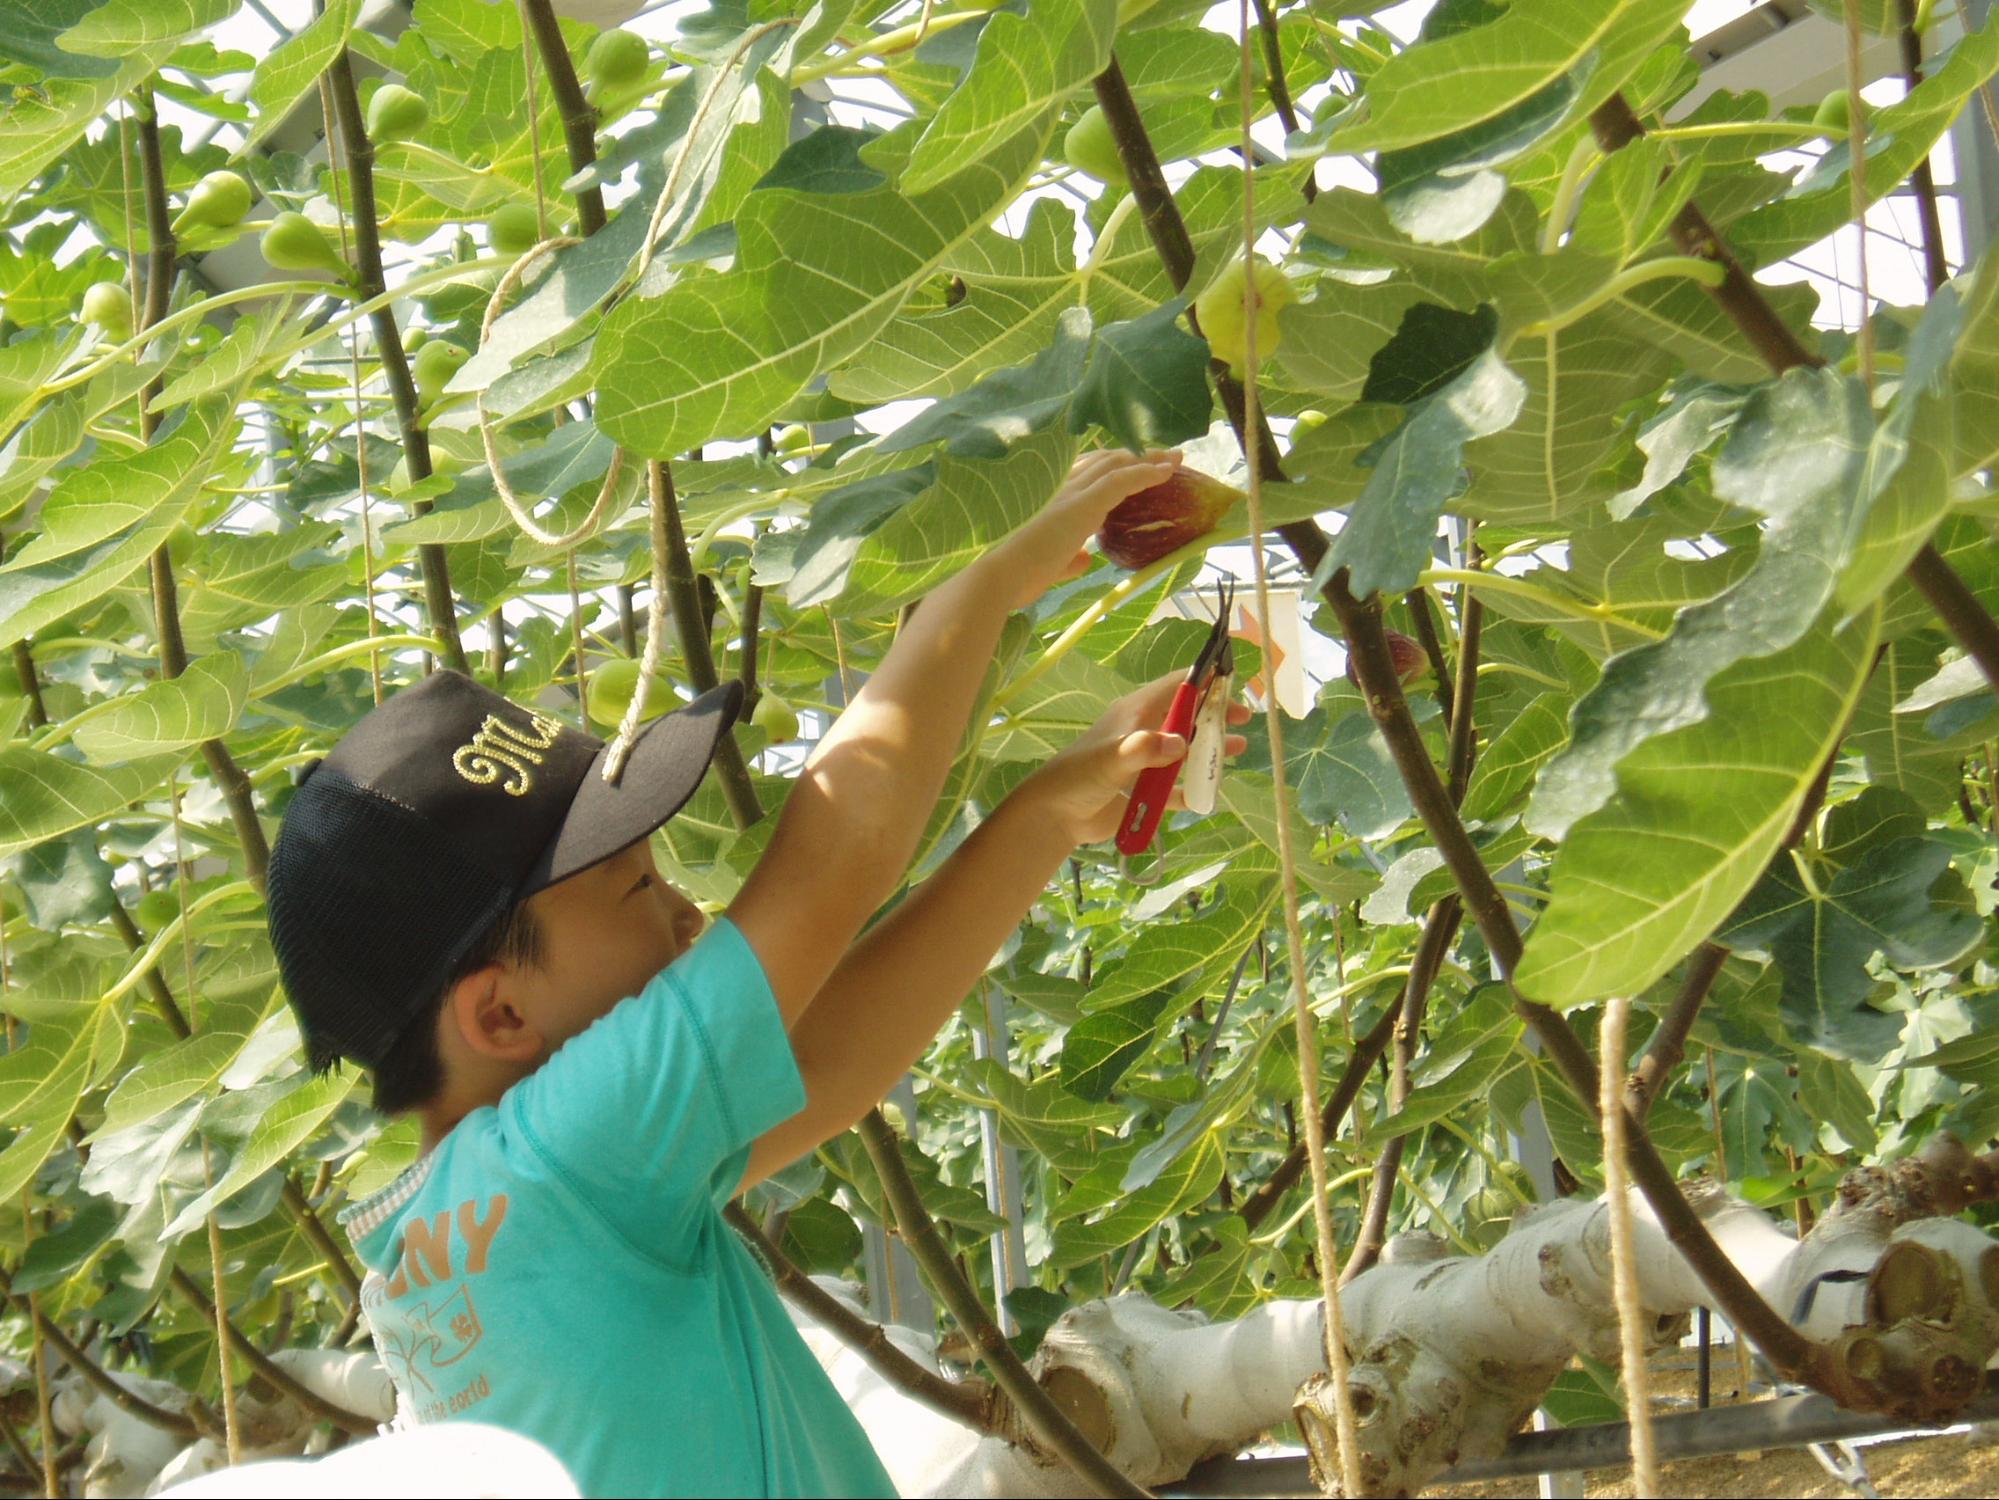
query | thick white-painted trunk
(1449,1355)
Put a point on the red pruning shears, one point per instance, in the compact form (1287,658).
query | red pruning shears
(1200,715)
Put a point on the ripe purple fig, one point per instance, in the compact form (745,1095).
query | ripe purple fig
(1408,656)
(1148,525)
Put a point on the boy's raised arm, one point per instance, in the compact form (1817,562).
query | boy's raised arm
(850,825)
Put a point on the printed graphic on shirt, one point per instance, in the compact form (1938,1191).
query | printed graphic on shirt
(423,1314)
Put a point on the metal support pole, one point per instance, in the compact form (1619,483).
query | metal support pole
(896,1293)
(1002,1164)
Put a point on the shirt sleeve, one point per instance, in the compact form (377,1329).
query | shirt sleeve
(650,1112)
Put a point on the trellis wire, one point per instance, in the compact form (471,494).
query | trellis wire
(1334,1323)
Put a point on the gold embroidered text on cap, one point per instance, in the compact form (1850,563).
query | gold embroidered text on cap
(499,744)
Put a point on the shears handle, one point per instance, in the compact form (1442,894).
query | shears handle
(1155,783)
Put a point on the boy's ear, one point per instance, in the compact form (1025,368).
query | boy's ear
(487,1019)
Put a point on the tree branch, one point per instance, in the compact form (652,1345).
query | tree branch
(1958,608)
(1668,1043)
(360,152)
(690,623)
(753,610)
(971,1402)
(95,1375)
(1935,268)
(1439,928)
(1424,621)
(230,779)
(1367,1051)
(271,1373)
(1043,1418)
(579,120)
(1280,87)
(1787,1349)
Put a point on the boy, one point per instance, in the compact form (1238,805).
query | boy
(460,903)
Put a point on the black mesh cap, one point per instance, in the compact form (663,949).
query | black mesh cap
(434,814)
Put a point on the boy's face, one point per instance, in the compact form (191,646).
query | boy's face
(607,930)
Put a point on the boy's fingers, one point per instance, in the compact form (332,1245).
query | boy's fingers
(1235,744)
(1144,748)
(1240,713)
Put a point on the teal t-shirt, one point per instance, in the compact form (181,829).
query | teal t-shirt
(559,1266)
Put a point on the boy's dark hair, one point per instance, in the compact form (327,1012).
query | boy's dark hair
(413,1071)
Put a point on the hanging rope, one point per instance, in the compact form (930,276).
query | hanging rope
(1334,1323)
(628,728)
(1631,1319)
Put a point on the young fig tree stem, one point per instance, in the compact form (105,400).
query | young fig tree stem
(360,153)
(1047,1421)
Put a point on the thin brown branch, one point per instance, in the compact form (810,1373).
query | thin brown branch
(1935,268)
(360,154)
(1462,749)
(95,1375)
(1367,1051)
(746,672)
(229,777)
(579,119)
(1439,928)
(1280,87)
(266,1369)
(1668,1044)
(1423,620)
(690,623)
(972,1402)
(1360,621)
(1037,1409)
(1959,609)
(31,684)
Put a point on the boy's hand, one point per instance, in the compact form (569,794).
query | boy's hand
(1084,787)
(1049,548)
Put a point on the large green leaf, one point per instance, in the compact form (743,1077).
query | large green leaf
(283,76)
(1450,84)
(1697,813)
(816,276)
(201,704)
(1026,63)
(1806,453)
(42,794)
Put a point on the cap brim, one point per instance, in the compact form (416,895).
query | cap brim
(667,762)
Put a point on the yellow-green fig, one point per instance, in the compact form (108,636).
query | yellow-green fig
(396,114)
(1090,147)
(218,201)
(435,363)
(612,684)
(776,718)
(294,243)
(109,305)
(514,229)
(617,59)
(1220,311)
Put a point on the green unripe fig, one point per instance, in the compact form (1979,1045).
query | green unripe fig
(396,114)
(295,243)
(514,229)
(776,718)
(1220,311)
(1089,147)
(611,687)
(435,363)
(218,201)
(793,439)
(181,542)
(109,305)
(415,339)
(617,59)
(157,909)
(1305,421)
(1835,113)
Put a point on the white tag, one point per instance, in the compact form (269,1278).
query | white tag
(1201,777)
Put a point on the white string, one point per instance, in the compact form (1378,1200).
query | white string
(1631,1319)
(1346,1427)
